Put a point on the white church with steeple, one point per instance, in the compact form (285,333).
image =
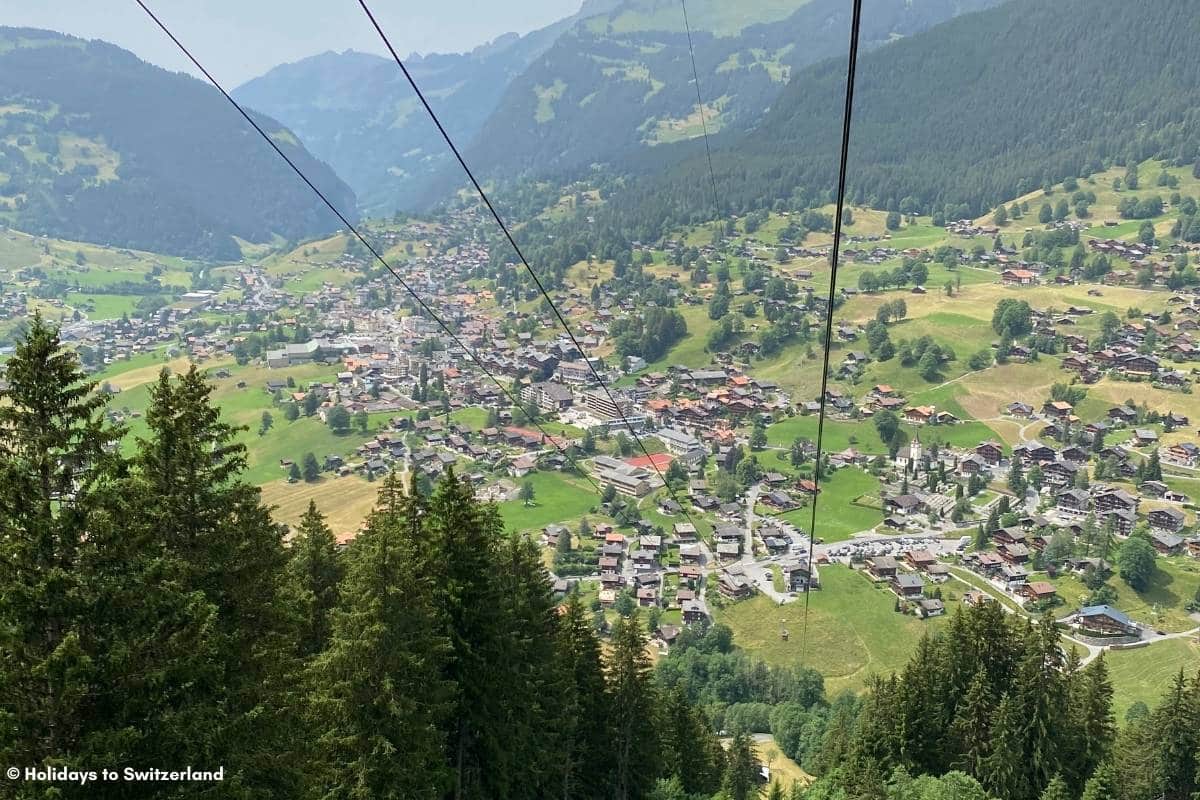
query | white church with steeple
(910,454)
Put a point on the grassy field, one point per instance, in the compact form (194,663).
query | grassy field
(1109,392)
(345,502)
(670,130)
(976,582)
(689,351)
(1145,673)
(141,370)
(783,769)
(1107,198)
(240,405)
(964,434)
(978,301)
(474,418)
(853,630)
(100,264)
(963,334)
(311,265)
(556,498)
(838,516)
(103,306)
(984,395)
(1162,605)
(838,434)
(797,369)
(720,18)
(291,440)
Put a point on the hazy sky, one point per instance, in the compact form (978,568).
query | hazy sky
(240,39)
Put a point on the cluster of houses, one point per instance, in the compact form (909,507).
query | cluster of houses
(659,571)
(910,577)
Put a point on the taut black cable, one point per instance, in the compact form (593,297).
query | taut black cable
(851,65)
(700,109)
(499,221)
(354,230)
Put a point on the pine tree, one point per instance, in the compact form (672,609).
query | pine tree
(1093,726)
(231,552)
(562,546)
(55,542)
(105,651)
(380,694)
(1177,723)
(668,789)
(1154,467)
(582,748)
(838,739)
(688,746)
(632,700)
(311,468)
(1135,760)
(1103,783)
(55,445)
(1057,790)
(1016,479)
(164,630)
(1041,699)
(741,769)
(993,521)
(1004,773)
(314,573)
(970,734)
(51,456)
(469,595)
(919,710)
(531,725)
(875,748)
(500,620)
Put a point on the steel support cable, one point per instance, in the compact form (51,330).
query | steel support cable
(700,110)
(516,249)
(851,65)
(370,247)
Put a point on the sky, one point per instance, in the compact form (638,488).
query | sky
(241,39)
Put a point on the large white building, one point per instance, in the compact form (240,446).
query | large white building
(677,441)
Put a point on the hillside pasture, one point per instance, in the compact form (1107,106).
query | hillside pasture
(847,504)
(1107,199)
(1162,606)
(345,502)
(1144,674)
(838,435)
(853,630)
(557,498)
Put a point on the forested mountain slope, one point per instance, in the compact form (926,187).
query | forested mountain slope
(956,119)
(97,145)
(623,83)
(356,111)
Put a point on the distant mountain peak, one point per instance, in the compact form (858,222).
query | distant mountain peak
(356,111)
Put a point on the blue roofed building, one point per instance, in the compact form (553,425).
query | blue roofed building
(1105,620)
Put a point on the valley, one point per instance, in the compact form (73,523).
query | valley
(334,380)
(707,493)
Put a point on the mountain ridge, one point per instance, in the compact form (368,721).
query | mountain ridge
(981,125)
(617,99)
(391,148)
(100,146)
